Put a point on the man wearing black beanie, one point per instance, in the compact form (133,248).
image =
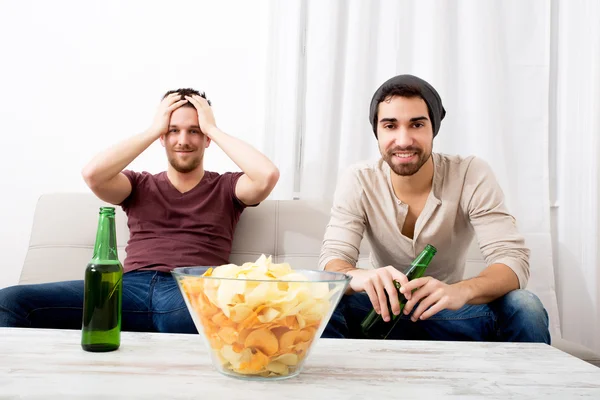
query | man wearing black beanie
(413,197)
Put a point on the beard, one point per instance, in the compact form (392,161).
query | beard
(183,165)
(406,169)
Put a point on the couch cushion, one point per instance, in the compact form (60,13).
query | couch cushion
(255,233)
(62,237)
(300,230)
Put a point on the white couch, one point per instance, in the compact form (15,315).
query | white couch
(64,229)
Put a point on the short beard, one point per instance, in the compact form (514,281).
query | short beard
(184,168)
(406,169)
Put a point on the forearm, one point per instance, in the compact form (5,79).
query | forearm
(107,164)
(339,266)
(252,162)
(493,282)
(343,267)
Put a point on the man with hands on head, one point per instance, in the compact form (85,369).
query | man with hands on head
(412,197)
(183,216)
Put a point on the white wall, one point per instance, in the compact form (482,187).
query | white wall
(576,168)
(78,76)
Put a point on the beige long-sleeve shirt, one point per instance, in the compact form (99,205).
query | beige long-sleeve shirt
(465,201)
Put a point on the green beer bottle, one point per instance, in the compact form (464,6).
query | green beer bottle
(103,290)
(373,326)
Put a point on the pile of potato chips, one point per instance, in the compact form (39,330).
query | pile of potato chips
(261,318)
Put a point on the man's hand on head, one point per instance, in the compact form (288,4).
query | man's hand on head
(160,125)
(206,118)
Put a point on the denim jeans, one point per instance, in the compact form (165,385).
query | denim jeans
(152,302)
(519,316)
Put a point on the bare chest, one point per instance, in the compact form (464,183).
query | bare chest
(415,208)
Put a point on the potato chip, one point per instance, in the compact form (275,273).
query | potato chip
(289,339)
(277,367)
(257,363)
(301,348)
(230,355)
(287,359)
(215,342)
(228,334)
(219,319)
(268,314)
(240,312)
(263,340)
(243,335)
(227,291)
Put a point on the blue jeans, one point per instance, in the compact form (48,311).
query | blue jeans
(519,316)
(152,302)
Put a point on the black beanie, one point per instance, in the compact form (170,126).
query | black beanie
(428,93)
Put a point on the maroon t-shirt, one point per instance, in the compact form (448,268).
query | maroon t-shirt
(171,229)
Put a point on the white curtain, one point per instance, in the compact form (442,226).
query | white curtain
(520,82)
(575,130)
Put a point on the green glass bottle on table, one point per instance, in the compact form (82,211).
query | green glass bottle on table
(103,290)
(373,326)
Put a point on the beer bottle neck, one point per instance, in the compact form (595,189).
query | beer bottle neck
(426,256)
(419,264)
(423,259)
(105,249)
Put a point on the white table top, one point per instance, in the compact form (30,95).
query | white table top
(50,364)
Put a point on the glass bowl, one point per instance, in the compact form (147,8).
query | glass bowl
(261,329)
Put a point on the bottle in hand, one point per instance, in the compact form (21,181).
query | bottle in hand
(373,326)
(103,290)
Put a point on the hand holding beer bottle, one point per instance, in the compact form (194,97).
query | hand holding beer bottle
(377,325)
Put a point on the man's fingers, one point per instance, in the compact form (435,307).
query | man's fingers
(172,98)
(370,290)
(436,308)
(382,297)
(194,101)
(417,296)
(401,279)
(392,292)
(427,302)
(201,100)
(416,283)
(409,286)
(175,106)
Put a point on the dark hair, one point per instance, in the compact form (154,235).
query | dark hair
(188,92)
(400,90)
